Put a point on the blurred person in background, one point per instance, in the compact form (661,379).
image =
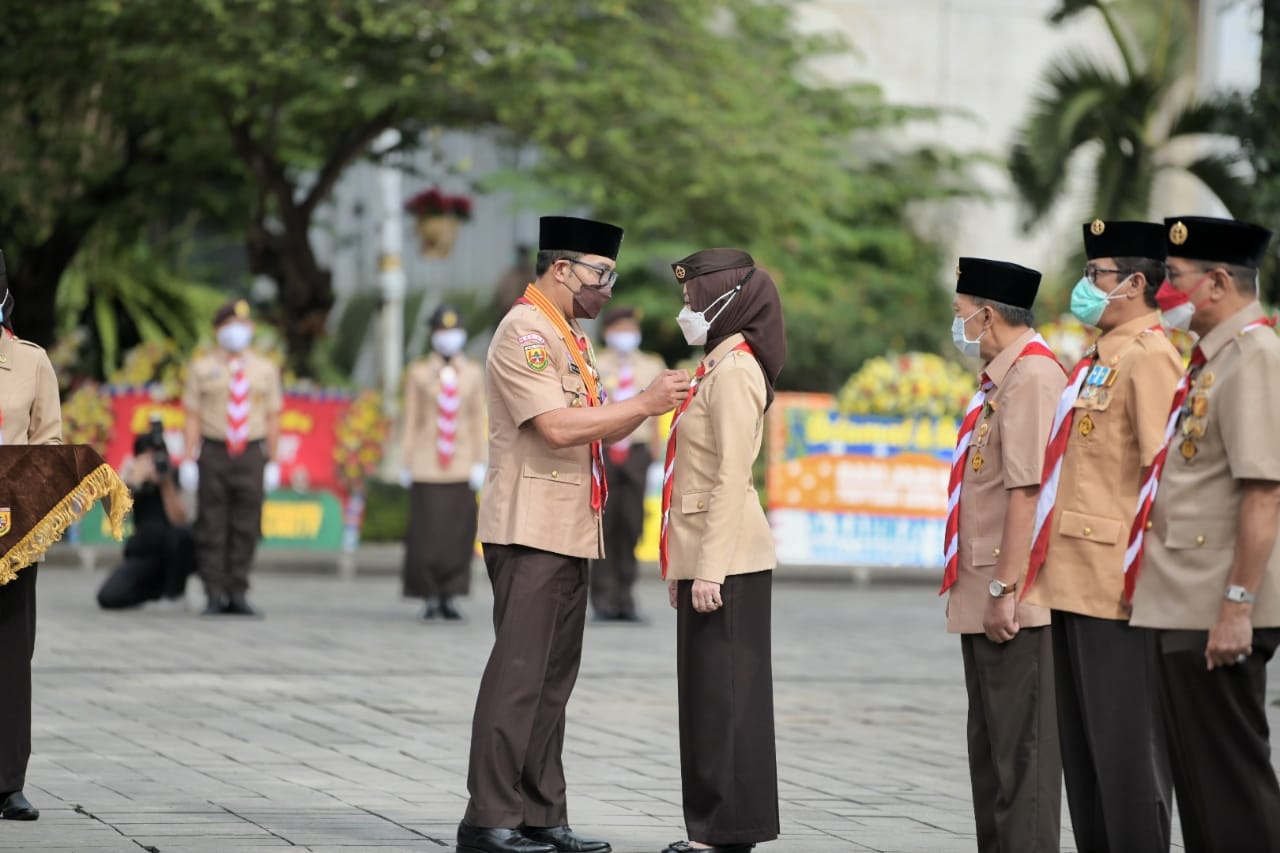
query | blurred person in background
(30,413)
(232,400)
(443,452)
(161,553)
(624,370)
(718,555)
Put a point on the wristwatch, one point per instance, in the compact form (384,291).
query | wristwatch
(1239,594)
(999,589)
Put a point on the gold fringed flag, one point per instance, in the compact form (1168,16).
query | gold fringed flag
(44,489)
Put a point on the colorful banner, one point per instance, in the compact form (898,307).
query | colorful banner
(856,490)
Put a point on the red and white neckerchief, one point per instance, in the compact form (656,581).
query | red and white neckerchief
(669,465)
(1147,496)
(626,390)
(447,405)
(951,555)
(238,408)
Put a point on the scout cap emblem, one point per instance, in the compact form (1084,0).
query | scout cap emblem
(1097,227)
(242,309)
(680,272)
(1178,234)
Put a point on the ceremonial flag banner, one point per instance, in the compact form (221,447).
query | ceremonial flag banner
(44,489)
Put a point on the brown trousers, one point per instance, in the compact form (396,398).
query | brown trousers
(1114,755)
(724,673)
(1014,763)
(229,523)
(17,645)
(613,577)
(440,541)
(1228,798)
(516,773)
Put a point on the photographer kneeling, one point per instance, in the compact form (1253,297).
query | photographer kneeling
(161,552)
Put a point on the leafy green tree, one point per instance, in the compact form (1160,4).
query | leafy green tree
(1129,116)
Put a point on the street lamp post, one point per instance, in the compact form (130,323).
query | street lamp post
(391,280)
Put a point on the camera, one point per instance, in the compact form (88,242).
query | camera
(159,450)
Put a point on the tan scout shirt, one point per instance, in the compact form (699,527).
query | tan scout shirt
(1191,542)
(534,495)
(645,367)
(1113,439)
(209,386)
(716,526)
(28,394)
(421,420)
(1010,437)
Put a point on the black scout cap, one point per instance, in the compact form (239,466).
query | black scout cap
(999,281)
(1226,241)
(1119,239)
(570,234)
(709,261)
(444,317)
(237,309)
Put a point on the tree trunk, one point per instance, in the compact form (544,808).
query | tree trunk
(34,281)
(1270,46)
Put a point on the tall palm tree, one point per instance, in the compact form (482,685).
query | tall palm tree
(1127,115)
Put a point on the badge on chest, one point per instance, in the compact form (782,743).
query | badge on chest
(1096,393)
(1195,416)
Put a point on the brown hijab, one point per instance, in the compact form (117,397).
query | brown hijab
(755,310)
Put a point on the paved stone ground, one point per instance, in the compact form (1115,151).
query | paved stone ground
(340,723)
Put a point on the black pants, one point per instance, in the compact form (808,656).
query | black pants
(516,773)
(1228,798)
(229,523)
(1014,763)
(724,673)
(623,521)
(155,566)
(1114,756)
(17,645)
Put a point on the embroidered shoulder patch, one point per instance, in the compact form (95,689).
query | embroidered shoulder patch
(535,355)
(532,337)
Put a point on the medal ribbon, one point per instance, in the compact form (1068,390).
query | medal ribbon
(951,556)
(669,466)
(1147,496)
(584,358)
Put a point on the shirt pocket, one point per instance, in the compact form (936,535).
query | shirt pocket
(552,472)
(1092,528)
(985,551)
(1191,534)
(695,502)
(575,390)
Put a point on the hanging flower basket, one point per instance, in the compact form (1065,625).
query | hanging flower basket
(438,216)
(436,235)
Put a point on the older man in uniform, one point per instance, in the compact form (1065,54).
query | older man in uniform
(1014,764)
(624,370)
(233,399)
(1108,428)
(539,524)
(29,414)
(1205,541)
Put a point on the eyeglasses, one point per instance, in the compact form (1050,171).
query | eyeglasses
(607,276)
(1091,272)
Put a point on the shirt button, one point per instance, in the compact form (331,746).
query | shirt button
(701,505)
(1150,524)
(995,552)
(1199,540)
(555,475)
(1088,531)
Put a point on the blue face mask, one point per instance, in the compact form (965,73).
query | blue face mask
(1088,302)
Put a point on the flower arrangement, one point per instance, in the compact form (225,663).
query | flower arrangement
(359,440)
(1068,338)
(87,417)
(913,384)
(158,365)
(433,202)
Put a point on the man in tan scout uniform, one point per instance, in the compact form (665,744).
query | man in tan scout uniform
(1014,763)
(1109,426)
(30,413)
(1208,559)
(624,370)
(539,524)
(233,399)
(443,452)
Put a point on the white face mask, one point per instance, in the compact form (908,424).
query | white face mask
(695,324)
(449,342)
(627,341)
(235,337)
(973,348)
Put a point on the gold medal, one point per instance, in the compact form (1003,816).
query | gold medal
(1193,428)
(1102,397)
(1086,426)
(977,460)
(1205,380)
(1199,405)
(983,429)
(1189,450)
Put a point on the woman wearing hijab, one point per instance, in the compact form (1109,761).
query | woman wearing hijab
(718,555)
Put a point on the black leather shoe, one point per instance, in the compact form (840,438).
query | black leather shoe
(478,839)
(448,610)
(565,840)
(432,612)
(16,807)
(686,847)
(238,606)
(215,607)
